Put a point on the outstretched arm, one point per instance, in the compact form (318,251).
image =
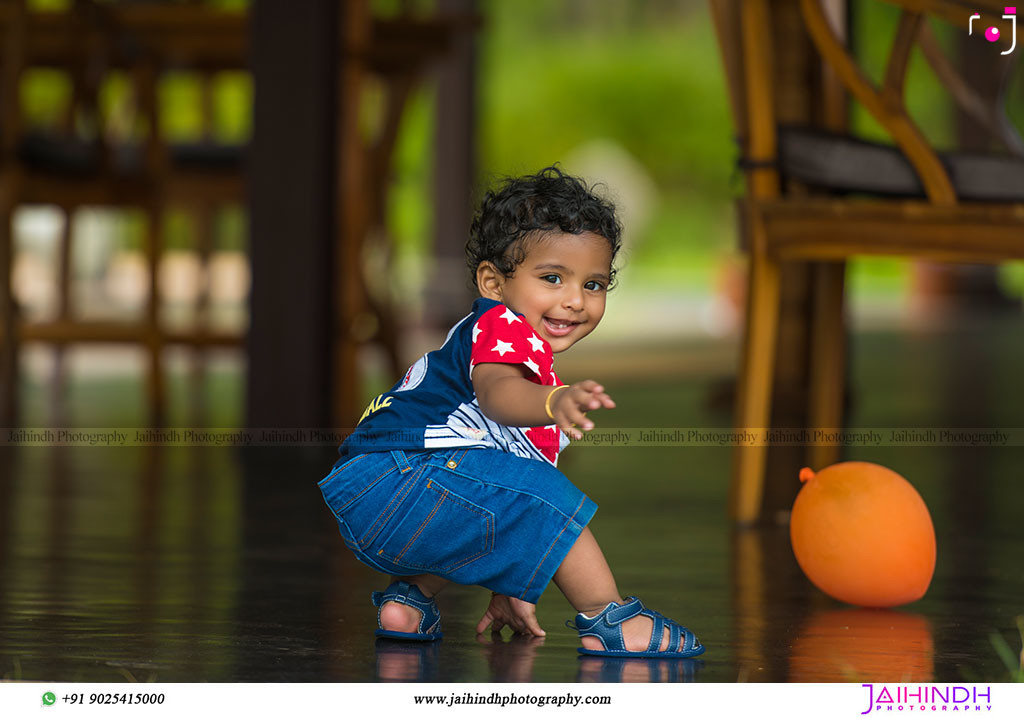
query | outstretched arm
(506,396)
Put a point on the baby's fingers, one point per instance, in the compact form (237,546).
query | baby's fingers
(600,400)
(606,400)
(532,627)
(529,626)
(597,398)
(567,428)
(493,619)
(591,386)
(484,622)
(566,421)
(580,419)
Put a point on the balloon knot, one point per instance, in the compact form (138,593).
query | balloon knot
(806,474)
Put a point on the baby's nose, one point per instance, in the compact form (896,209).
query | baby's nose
(573,299)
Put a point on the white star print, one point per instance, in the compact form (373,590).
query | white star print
(536,342)
(529,363)
(476,331)
(510,316)
(503,347)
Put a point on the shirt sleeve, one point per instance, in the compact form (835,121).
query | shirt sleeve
(501,336)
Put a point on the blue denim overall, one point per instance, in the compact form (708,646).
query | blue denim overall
(475,516)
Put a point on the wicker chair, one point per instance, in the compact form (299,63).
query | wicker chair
(815,194)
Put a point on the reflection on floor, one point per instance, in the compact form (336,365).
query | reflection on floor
(210,564)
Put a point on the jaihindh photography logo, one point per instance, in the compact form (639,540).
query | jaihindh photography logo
(926,698)
(992,33)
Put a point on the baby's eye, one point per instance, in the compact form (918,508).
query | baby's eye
(594,286)
(552,278)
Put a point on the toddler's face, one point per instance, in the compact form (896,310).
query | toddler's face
(560,288)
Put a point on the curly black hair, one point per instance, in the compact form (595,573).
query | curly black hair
(524,207)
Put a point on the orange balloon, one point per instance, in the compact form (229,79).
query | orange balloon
(863,535)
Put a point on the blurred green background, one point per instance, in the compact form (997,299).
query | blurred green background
(640,76)
(631,90)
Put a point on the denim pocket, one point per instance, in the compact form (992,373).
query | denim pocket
(365,494)
(439,530)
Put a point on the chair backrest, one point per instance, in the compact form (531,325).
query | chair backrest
(773,76)
(749,57)
(77,43)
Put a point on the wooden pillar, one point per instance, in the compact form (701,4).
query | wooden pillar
(12,55)
(292,205)
(8,308)
(448,297)
(353,197)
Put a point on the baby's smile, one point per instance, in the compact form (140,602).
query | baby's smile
(560,327)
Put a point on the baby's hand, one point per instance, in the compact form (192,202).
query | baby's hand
(517,614)
(569,406)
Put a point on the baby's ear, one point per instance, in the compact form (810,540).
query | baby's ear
(489,280)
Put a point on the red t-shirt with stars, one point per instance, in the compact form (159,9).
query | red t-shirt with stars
(435,406)
(502,336)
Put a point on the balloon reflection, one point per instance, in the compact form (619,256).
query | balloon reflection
(863,645)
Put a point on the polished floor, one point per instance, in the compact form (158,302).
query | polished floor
(215,564)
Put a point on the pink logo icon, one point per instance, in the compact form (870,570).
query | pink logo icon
(992,33)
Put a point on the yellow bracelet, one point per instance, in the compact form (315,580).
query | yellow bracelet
(547,403)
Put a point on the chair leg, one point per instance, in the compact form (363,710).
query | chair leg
(755,387)
(154,345)
(58,382)
(205,215)
(828,360)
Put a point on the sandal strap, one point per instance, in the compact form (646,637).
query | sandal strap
(616,614)
(674,631)
(657,630)
(686,637)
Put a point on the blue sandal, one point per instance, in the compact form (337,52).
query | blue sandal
(606,626)
(408,594)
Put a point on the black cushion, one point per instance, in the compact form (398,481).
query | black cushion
(847,164)
(58,154)
(72,156)
(209,156)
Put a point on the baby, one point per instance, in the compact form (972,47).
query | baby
(451,475)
